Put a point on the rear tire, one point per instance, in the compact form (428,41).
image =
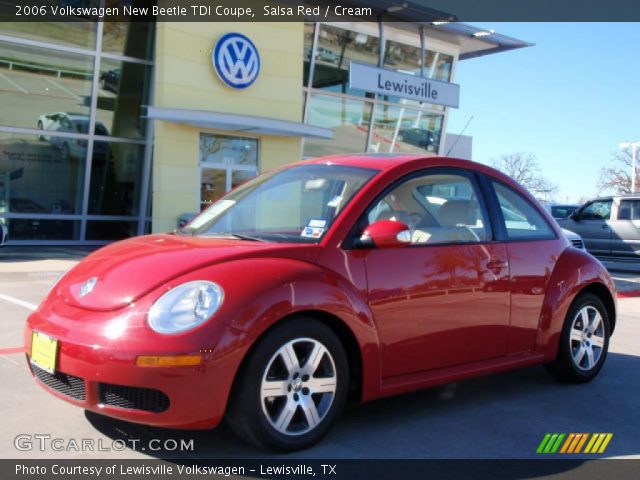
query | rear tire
(584,341)
(291,388)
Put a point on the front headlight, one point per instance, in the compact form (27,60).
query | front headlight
(185,307)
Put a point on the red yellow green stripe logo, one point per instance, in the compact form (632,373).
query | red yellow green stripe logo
(574,443)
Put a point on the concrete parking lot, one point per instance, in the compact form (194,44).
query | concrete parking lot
(502,416)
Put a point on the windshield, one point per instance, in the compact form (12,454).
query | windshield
(296,204)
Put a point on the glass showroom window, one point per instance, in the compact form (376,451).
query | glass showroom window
(129,39)
(338,47)
(37,83)
(404,130)
(348,118)
(72,34)
(110,229)
(123,90)
(116,175)
(36,180)
(225,163)
(75,142)
(403,58)
(309,32)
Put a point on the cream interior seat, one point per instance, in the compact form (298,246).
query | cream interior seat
(454,218)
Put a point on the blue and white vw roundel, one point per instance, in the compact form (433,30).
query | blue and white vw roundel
(236,60)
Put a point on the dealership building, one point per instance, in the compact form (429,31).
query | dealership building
(115,129)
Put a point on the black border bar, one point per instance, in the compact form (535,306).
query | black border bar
(421,11)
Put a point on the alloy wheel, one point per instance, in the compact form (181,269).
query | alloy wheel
(298,386)
(587,338)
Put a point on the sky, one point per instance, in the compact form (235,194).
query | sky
(569,100)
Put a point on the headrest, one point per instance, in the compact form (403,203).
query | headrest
(458,212)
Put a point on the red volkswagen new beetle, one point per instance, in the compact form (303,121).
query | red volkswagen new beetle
(353,276)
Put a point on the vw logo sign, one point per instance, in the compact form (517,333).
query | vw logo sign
(87,287)
(236,60)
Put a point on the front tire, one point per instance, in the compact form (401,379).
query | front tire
(291,388)
(584,342)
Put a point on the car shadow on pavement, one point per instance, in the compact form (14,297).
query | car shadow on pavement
(502,416)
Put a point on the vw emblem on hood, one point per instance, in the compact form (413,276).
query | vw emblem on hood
(236,60)
(87,287)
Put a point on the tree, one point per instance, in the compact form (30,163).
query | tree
(524,169)
(616,176)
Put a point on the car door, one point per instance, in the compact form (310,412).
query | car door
(591,222)
(442,300)
(625,228)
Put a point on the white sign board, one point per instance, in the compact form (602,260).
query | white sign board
(412,87)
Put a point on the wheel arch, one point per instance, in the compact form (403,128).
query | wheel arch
(345,335)
(576,272)
(602,292)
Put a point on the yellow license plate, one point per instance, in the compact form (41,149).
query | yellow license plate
(44,351)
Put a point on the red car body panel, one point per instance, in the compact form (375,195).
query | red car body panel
(473,308)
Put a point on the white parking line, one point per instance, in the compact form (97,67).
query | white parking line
(13,83)
(17,301)
(10,360)
(64,89)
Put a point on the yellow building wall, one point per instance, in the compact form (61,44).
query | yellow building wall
(185,78)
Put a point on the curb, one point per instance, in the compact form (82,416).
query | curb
(629,294)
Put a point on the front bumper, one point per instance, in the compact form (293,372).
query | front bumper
(102,376)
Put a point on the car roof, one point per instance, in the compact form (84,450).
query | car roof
(378,161)
(626,196)
(390,161)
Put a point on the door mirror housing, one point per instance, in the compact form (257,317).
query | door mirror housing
(386,234)
(575,216)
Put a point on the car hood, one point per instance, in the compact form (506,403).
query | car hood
(127,270)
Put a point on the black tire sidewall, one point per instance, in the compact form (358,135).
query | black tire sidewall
(246,393)
(565,357)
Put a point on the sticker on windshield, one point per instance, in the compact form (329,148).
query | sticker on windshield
(312,232)
(317,223)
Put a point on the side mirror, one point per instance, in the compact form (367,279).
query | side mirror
(575,216)
(386,234)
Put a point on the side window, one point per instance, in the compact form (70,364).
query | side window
(629,210)
(522,220)
(597,210)
(437,208)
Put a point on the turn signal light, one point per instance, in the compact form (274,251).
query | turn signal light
(168,360)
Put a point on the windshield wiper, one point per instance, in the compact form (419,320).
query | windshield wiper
(240,236)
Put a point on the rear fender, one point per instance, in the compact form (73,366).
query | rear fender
(574,271)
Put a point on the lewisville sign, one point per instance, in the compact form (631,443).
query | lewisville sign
(412,87)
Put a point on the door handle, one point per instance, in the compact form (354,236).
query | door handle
(497,264)
(605,227)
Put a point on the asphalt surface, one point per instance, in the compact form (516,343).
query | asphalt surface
(500,416)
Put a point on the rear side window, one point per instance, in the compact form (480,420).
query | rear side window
(629,210)
(522,220)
